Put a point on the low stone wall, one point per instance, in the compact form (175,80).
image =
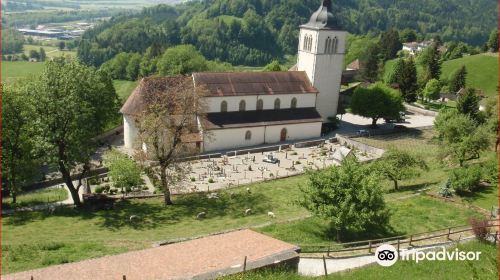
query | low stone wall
(420,111)
(359,146)
(258,150)
(309,143)
(60,180)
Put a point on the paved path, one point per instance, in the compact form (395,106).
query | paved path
(315,267)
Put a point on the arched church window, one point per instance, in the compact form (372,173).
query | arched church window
(243,105)
(260,105)
(310,42)
(223,106)
(277,104)
(328,44)
(334,47)
(304,44)
(248,135)
(294,103)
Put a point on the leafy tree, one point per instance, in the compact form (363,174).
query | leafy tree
(168,118)
(124,172)
(408,35)
(133,67)
(375,102)
(370,64)
(395,75)
(348,195)
(274,66)
(18,161)
(62,45)
(390,44)
(431,61)
(409,81)
(465,179)
(72,104)
(460,137)
(43,55)
(182,59)
(34,54)
(12,41)
(493,40)
(397,165)
(458,79)
(432,90)
(117,66)
(468,103)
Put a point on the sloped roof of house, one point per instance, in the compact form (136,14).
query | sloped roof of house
(355,65)
(254,83)
(261,118)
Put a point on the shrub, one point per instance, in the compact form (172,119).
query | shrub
(465,179)
(99,190)
(480,227)
(210,181)
(446,190)
(193,179)
(250,168)
(293,153)
(297,162)
(128,189)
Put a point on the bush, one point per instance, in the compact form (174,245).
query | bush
(210,181)
(193,179)
(465,179)
(297,162)
(446,190)
(480,227)
(99,190)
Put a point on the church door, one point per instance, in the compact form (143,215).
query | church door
(283,135)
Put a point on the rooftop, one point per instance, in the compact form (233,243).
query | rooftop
(254,83)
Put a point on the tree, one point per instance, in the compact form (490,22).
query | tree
(348,195)
(124,172)
(62,45)
(408,35)
(133,67)
(370,63)
(18,163)
(172,107)
(409,83)
(460,137)
(468,103)
(273,66)
(375,102)
(432,90)
(390,44)
(493,40)
(458,79)
(395,75)
(431,61)
(34,54)
(397,165)
(72,104)
(12,41)
(43,55)
(182,59)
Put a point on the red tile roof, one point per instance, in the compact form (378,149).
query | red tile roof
(254,83)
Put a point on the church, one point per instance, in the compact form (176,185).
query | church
(247,109)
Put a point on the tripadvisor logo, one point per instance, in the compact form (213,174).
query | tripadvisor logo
(387,255)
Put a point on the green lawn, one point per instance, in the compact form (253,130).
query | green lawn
(124,88)
(486,268)
(36,198)
(482,71)
(12,70)
(49,50)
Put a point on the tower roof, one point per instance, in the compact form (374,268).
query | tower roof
(323,18)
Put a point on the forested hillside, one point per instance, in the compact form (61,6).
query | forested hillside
(252,32)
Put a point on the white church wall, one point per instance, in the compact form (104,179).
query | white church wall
(129,131)
(233,102)
(294,132)
(223,139)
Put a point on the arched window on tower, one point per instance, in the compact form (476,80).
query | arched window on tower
(328,45)
(248,135)
(243,105)
(293,104)
(310,42)
(223,106)
(304,44)
(335,43)
(260,105)
(277,104)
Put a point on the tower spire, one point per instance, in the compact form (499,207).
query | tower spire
(323,18)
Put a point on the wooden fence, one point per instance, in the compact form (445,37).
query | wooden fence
(351,249)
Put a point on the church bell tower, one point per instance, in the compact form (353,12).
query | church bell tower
(322,45)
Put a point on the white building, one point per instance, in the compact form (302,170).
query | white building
(254,108)
(416,47)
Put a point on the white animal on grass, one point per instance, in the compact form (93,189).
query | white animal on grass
(271,214)
(248,190)
(134,218)
(248,212)
(201,215)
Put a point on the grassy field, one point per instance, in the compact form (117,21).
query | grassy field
(124,88)
(482,71)
(486,268)
(12,70)
(36,198)
(49,50)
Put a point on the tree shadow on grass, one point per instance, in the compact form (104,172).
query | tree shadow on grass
(413,188)
(481,193)
(371,232)
(152,213)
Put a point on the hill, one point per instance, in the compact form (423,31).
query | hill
(482,71)
(255,31)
